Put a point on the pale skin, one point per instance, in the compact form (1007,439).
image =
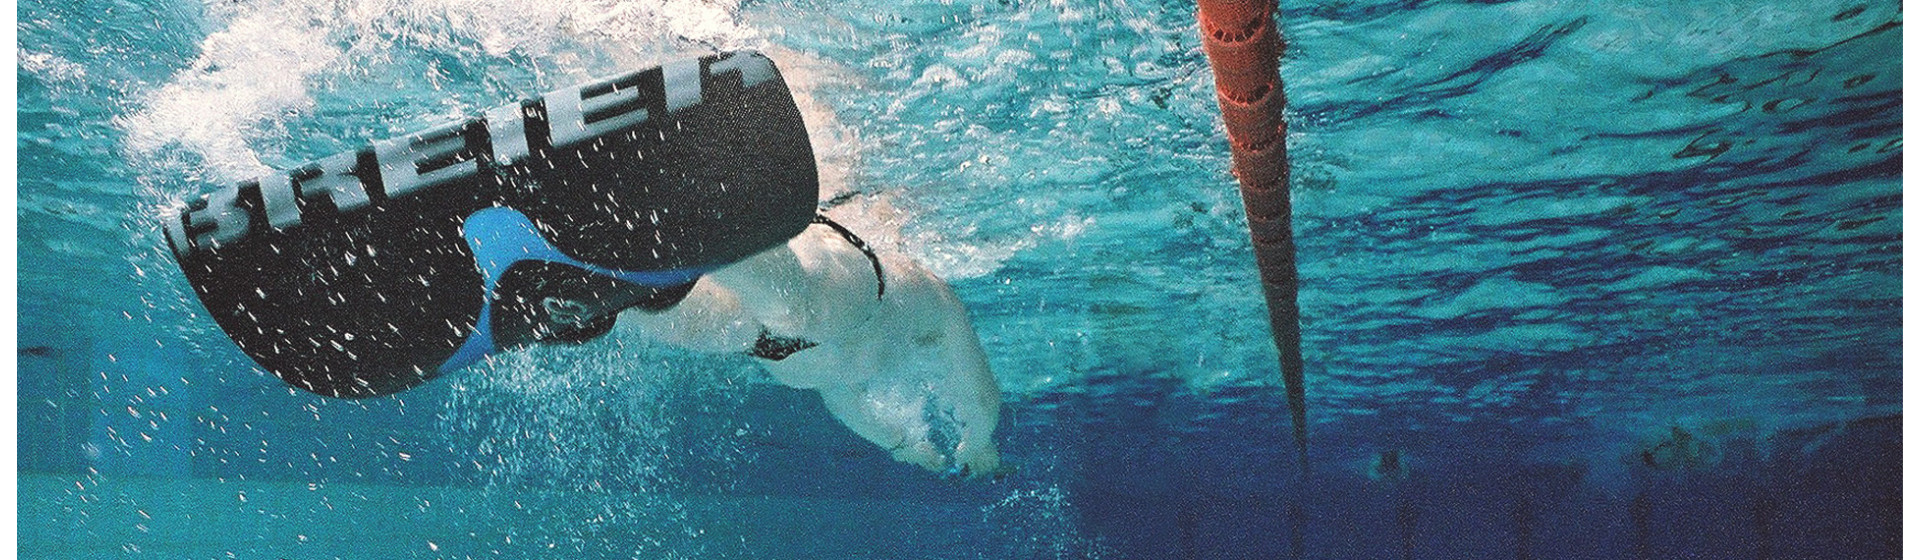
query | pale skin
(904,371)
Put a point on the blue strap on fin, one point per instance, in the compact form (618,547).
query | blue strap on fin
(501,237)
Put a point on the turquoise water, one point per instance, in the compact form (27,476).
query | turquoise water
(1539,242)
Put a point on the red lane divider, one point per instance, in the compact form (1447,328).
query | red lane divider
(1244,46)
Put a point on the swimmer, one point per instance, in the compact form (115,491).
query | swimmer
(882,340)
(678,203)
(1388,466)
(1679,450)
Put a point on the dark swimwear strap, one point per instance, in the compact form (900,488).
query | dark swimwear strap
(773,347)
(878,275)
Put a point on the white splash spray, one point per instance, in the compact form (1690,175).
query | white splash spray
(246,76)
(876,211)
(262,67)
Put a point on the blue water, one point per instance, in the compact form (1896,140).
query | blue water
(1611,281)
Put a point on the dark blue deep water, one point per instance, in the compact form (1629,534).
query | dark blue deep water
(1579,280)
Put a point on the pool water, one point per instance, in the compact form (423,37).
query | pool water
(1577,281)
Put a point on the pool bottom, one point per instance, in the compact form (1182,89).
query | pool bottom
(1830,491)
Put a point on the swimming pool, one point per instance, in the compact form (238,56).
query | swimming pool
(1577,281)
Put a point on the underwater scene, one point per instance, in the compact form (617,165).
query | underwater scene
(1576,280)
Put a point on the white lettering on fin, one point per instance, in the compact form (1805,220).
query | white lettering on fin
(507,127)
(401,159)
(336,183)
(682,81)
(568,109)
(753,68)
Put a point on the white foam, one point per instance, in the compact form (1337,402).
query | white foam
(879,212)
(261,68)
(51,67)
(246,75)
(711,22)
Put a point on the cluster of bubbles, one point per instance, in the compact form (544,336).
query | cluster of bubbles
(586,447)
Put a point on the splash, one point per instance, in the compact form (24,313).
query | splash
(218,119)
(247,76)
(580,417)
(880,211)
(601,430)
